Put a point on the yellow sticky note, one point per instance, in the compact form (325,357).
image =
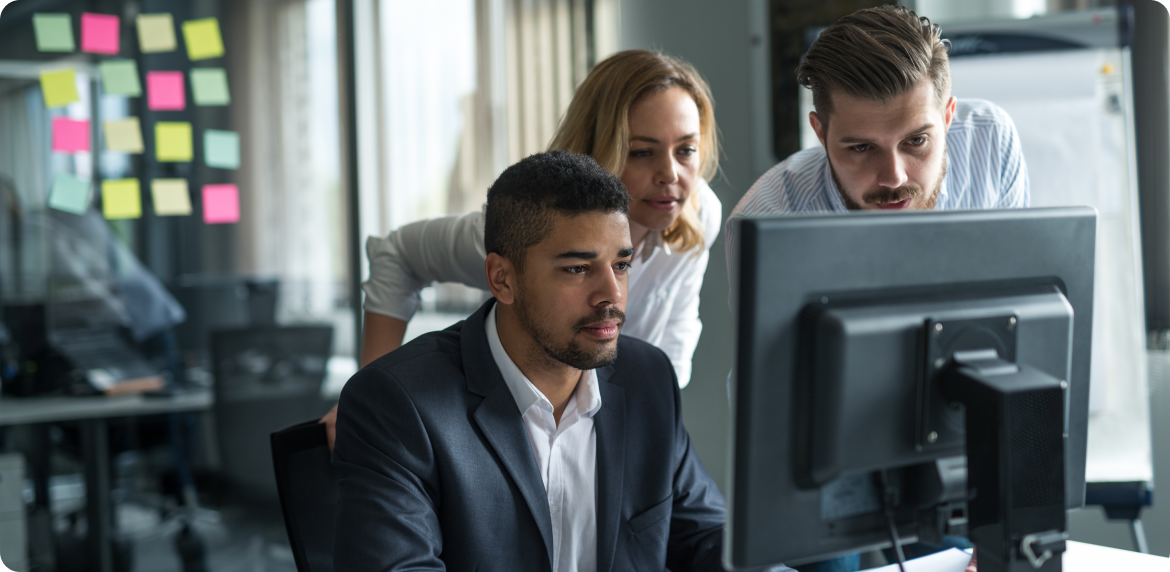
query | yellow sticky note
(203,39)
(59,87)
(121,198)
(171,197)
(123,135)
(173,141)
(156,33)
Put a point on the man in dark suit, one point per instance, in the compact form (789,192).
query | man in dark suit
(530,436)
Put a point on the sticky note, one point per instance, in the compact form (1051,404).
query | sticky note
(59,87)
(203,39)
(221,149)
(54,32)
(70,136)
(156,33)
(99,34)
(171,197)
(69,194)
(121,198)
(172,140)
(221,204)
(164,91)
(123,135)
(120,77)
(209,86)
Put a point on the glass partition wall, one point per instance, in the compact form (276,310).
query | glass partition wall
(188,146)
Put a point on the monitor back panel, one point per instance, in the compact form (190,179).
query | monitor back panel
(784,263)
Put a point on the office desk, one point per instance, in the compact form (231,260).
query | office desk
(92,413)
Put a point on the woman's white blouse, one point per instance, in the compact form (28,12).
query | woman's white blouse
(662,306)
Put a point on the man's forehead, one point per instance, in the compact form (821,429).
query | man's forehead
(910,110)
(604,233)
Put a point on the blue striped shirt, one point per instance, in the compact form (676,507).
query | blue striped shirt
(985,170)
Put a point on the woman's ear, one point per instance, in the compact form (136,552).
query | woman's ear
(501,275)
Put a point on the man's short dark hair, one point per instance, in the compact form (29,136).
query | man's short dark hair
(522,202)
(876,54)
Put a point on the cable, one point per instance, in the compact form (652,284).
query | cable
(888,494)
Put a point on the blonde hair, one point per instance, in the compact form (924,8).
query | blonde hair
(598,123)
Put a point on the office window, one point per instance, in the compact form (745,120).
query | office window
(450,93)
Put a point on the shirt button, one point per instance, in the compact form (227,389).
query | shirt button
(554,508)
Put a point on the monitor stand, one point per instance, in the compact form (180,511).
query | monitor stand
(1015,458)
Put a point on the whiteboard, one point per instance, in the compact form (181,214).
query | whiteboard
(1073,111)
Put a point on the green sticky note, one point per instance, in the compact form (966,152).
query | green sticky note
(221,149)
(123,135)
(120,77)
(69,194)
(121,198)
(210,86)
(59,87)
(172,140)
(171,197)
(156,33)
(203,39)
(54,32)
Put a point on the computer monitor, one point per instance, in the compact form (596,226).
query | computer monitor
(929,368)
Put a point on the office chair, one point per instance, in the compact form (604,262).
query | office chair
(265,379)
(307,483)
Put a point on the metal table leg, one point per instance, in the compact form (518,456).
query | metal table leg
(1139,536)
(98,512)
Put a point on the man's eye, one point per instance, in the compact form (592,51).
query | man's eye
(916,141)
(622,266)
(860,148)
(579,269)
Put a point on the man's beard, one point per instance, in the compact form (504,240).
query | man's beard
(571,354)
(885,196)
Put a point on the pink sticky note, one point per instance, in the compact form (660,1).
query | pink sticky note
(221,204)
(70,136)
(99,34)
(165,92)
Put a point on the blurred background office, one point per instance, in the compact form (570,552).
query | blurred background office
(213,257)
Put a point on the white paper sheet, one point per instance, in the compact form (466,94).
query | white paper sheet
(1081,557)
(953,560)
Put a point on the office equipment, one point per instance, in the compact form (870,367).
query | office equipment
(222,302)
(844,324)
(265,379)
(307,483)
(84,325)
(93,413)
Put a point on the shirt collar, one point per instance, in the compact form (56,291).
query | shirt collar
(587,393)
(652,241)
(836,203)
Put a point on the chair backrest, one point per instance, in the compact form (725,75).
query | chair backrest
(265,379)
(307,483)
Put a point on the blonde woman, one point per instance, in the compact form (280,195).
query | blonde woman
(645,117)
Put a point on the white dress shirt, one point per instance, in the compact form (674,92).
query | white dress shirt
(566,455)
(662,304)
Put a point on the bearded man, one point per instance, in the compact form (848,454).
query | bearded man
(531,436)
(892,136)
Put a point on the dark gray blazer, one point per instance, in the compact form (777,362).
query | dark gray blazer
(437,471)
